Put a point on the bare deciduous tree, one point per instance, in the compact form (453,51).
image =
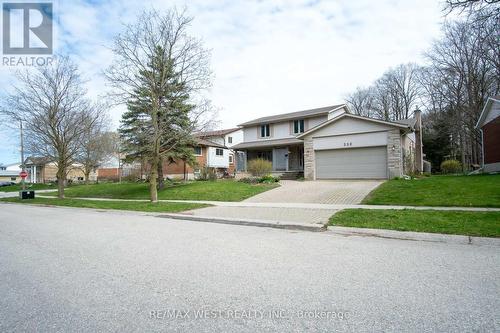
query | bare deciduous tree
(462,77)
(481,9)
(97,144)
(51,103)
(160,65)
(391,97)
(361,102)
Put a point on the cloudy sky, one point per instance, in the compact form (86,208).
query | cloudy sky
(268,56)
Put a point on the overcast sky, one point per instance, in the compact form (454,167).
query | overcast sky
(268,57)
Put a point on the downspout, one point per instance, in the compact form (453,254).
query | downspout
(482,148)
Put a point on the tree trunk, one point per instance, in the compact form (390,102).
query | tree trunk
(153,180)
(161,182)
(87,176)
(61,179)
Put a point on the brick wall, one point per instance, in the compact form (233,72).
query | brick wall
(491,139)
(107,173)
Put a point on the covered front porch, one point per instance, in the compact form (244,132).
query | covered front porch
(283,158)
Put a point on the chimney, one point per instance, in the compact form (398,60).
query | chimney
(419,161)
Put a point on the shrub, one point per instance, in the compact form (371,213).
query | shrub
(249,180)
(207,173)
(268,179)
(451,166)
(259,167)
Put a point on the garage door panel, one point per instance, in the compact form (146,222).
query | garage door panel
(352,163)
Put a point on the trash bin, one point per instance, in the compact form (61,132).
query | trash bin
(26,194)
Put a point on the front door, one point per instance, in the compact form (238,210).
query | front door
(280,159)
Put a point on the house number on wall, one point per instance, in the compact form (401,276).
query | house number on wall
(347,144)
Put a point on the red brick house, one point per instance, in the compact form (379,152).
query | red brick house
(489,125)
(207,154)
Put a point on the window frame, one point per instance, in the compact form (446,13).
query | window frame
(231,159)
(217,152)
(298,126)
(195,153)
(229,139)
(265,131)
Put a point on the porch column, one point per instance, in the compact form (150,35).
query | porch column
(287,158)
(33,174)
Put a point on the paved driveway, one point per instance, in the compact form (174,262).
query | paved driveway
(68,270)
(319,191)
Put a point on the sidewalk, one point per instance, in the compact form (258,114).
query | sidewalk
(306,216)
(335,207)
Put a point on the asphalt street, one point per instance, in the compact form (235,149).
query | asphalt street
(77,270)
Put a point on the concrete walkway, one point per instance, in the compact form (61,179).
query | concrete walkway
(288,215)
(300,205)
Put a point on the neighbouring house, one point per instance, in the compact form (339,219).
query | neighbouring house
(44,170)
(206,152)
(332,143)
(228,138)
(489,125)
(10,172)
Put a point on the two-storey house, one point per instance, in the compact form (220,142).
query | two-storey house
(331,143)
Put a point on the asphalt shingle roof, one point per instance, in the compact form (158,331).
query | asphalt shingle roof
(292,115)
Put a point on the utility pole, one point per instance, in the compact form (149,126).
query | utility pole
(23,184)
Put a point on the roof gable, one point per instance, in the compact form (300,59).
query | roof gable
(381,123)
(490,111)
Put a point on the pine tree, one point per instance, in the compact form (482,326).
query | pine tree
(171,124)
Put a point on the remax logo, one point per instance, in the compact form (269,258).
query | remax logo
(27,28)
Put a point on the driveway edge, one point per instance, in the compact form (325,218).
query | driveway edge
(248,222)
(415,236)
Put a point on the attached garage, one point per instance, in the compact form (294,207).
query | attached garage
(354,147)
(353,163)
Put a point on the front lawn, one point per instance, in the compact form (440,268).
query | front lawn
(220,190)
(161,207)
(464,191)
(17,187)
(484,224)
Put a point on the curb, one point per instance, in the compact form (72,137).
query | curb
(248,222)
(415,236)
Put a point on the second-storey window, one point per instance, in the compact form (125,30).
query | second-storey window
(298,126)
(229,139)
(265,131)
(219,152)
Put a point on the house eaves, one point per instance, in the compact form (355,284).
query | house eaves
(293,115)
(326,123)
(486,110)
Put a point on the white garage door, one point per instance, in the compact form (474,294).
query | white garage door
(370,162)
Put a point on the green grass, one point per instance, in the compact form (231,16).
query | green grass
(170,207)
(463,191)
(17,187)
(484,224)
(221,190)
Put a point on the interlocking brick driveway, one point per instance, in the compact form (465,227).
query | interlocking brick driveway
(320,191)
